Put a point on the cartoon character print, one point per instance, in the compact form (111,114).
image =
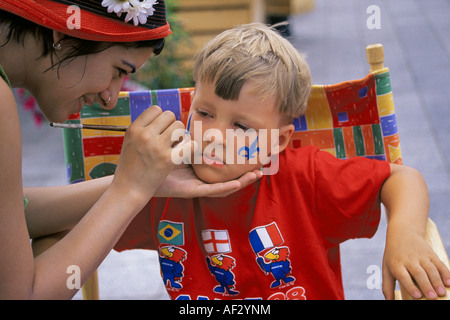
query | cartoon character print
(279,266)
(171,267)
(220,267)
(267,240)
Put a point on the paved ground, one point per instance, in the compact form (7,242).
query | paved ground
(333,36)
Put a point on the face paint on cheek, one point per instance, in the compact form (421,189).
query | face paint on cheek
(249,152)
(189,125)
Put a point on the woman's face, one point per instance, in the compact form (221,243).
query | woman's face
(86,80)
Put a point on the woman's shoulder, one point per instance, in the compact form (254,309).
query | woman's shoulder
(9,120)
(6,94)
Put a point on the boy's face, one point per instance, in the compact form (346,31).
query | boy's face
(232,140)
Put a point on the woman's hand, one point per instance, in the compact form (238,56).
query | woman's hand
(183,183)
(145,159)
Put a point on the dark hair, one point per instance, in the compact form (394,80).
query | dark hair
(74,47)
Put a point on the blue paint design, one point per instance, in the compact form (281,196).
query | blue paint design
(189,125)
(249,152)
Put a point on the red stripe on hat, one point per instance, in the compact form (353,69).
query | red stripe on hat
(94,27)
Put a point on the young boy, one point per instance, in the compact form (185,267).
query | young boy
(279,237)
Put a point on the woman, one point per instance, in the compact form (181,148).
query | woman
(67,54)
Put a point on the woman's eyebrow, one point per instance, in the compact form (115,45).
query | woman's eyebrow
(130,65)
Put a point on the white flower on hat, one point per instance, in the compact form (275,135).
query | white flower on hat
(117,6)
(135,9)
(140,11)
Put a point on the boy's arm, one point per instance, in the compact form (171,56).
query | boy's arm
(407,256)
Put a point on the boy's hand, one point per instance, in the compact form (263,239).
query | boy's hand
(410,260)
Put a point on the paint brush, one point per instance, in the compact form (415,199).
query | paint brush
(88,126)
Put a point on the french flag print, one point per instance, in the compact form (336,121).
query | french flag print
(265,237)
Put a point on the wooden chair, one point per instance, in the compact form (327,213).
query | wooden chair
(353,118)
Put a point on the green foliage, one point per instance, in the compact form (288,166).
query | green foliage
(168,70)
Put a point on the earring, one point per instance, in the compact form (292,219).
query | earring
(57,46)
(105,104)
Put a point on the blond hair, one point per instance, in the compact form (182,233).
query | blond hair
(258,53)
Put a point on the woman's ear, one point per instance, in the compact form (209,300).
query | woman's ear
(57,37)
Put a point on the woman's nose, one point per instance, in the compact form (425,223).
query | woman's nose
(110,95)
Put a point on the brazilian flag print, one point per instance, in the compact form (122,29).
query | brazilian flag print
(171,233)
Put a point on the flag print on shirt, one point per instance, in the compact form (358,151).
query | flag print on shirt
(171,232)
(265,237)
(217,244)
(268,238)
(171,236)
(216,241)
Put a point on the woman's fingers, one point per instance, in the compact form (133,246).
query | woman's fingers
(146,157)
(147,116)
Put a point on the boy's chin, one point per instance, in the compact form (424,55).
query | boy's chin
(209,175)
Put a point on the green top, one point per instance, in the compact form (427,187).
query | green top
(5,77)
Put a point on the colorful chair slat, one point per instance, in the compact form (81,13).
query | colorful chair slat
(353,118)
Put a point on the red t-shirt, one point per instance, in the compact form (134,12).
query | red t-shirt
(275,239)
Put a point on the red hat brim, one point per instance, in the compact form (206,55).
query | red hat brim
(55,16)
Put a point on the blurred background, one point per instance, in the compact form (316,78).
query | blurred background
(333,36)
